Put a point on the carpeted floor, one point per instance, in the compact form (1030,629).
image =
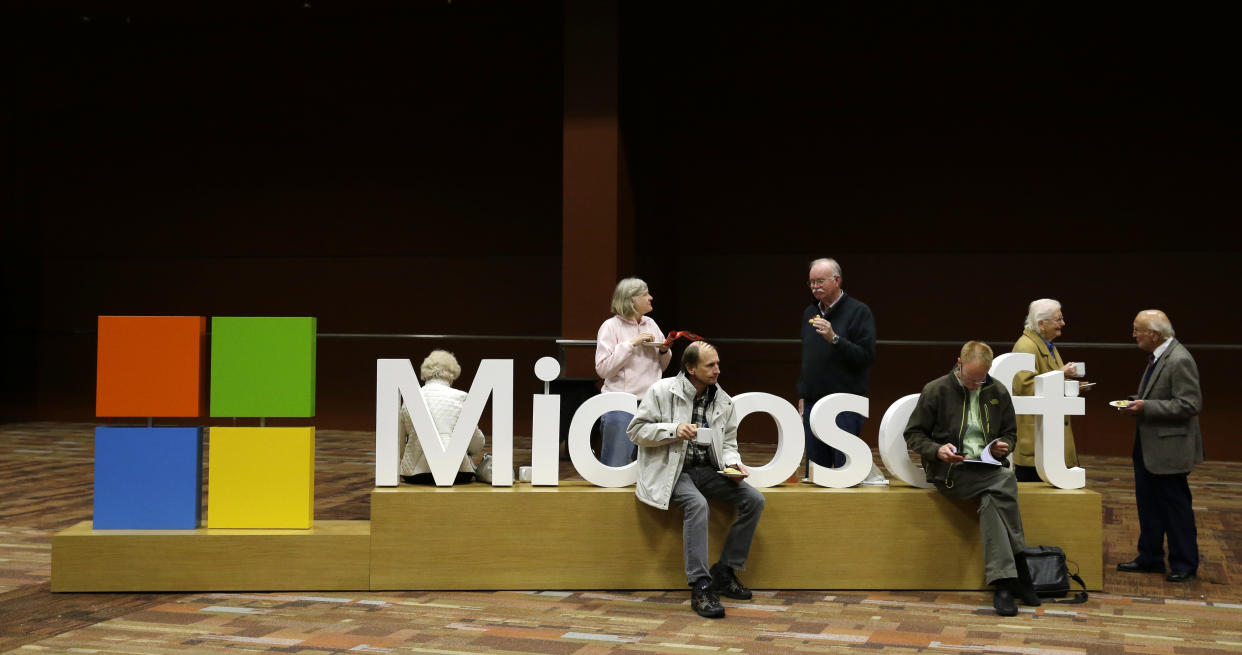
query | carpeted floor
(45,486)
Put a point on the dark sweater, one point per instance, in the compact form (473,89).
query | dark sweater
(844,367)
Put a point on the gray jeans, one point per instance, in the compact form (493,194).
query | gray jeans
(1000,522)
(694,487)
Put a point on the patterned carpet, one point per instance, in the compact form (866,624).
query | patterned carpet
(45,486)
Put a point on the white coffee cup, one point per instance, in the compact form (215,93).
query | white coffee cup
(1080,369)
(1071,388)
(524,474)
(703,436)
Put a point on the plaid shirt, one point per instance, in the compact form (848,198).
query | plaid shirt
(699,454)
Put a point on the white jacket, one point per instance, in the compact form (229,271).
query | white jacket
(654,428)
(445,404)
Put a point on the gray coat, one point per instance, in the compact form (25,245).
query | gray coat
(1168,426)
(654,428)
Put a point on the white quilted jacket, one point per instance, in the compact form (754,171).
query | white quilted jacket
(445,404)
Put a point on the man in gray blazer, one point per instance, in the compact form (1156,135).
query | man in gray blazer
(1167,445)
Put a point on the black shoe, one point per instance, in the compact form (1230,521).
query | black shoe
(1135,566)
(705,601)
(1180,576)
(1025,588)
(1002,599)
(1028,596)
(725,583)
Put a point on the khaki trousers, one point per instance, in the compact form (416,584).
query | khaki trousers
(1000,522)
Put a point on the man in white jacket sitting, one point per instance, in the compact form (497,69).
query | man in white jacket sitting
(674,464)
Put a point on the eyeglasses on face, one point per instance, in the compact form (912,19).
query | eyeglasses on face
(966,378)
(820,281)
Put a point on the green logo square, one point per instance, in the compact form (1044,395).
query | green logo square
(263,366)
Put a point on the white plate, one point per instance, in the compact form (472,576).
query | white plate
(1120,403)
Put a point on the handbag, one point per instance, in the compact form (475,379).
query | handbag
(1050,576)
(484,472)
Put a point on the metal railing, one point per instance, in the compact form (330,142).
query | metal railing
(881,342)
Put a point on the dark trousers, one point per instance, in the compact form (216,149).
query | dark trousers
(1164,509)
(820,452)
(1027,473)
(427,478)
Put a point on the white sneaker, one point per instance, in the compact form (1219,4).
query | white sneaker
(875,478)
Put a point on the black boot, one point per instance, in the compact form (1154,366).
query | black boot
(1025,589)
(1002,598)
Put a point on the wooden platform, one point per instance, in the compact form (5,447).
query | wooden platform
(332,555)
(578,536)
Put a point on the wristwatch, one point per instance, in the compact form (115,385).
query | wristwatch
(836,338)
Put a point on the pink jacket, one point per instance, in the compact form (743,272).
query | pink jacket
(623,366)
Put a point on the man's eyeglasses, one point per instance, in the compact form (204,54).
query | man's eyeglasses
(819,281)
(968,379)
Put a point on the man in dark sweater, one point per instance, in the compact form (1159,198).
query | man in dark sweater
(838,347)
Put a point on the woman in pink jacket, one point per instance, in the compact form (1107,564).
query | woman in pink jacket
(630,355)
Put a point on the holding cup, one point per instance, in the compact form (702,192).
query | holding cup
(703,436)
(1080,370)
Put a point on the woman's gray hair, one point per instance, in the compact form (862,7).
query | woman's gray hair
(623,296)
(440,365)
(1040,310)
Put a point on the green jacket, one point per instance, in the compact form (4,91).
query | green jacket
(940,418)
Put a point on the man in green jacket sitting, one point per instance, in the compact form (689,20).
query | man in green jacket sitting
(963,427)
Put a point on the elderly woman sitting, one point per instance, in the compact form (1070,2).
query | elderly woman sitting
(439,371)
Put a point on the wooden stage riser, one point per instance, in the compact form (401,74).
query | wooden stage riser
(586,537)
(579,536)
(332,555)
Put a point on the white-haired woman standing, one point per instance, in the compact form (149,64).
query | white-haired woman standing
(630,355)
(1044,323)
(439,371)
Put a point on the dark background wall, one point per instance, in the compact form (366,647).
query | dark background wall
(395,168)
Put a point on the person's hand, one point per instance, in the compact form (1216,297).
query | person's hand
(999,449)
(824,327)
(801,405)
(1070,370)
(686,431)
(948,453)
(645,336)
(1133,409)
(745,473)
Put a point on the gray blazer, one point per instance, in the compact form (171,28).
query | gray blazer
(1168,427)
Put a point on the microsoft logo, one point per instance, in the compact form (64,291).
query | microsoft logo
(171,366)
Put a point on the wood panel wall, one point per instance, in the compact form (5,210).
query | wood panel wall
(396,168)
